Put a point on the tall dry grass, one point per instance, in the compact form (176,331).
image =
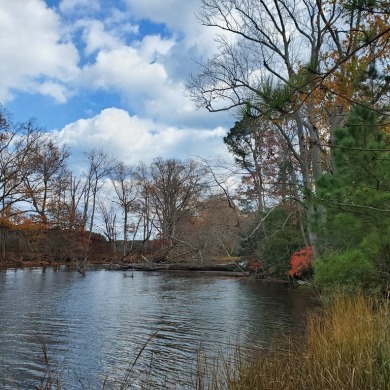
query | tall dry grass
(347,348)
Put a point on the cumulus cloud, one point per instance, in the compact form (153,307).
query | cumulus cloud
(123,70)
(85,47)
(138,74)
(104,34)
(182,21)
(96,37)
(32,49)
(132,139)
(57,91)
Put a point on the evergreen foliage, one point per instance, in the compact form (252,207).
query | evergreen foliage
(354,239)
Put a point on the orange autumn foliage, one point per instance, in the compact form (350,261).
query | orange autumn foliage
(301,261)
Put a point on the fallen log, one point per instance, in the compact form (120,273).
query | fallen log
(230,267)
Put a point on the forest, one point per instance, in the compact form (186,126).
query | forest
(304,190)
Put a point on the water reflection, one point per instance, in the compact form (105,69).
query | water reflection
(97,325)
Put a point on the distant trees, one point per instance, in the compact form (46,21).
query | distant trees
(45,173)
(18,142)
(213,231)
(100,165)
(175,189)
(126,190)
(255,147)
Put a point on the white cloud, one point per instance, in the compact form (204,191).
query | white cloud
(148,73)
(55,90)
(153,47)
(123,70)
(180,17)
(96,37)
(133,139)
(145,85)
(32,49)
(106,34)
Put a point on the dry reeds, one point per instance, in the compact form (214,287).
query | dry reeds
(347,348)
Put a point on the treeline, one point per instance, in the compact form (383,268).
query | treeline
(169,210)
(166,211)
(310,85)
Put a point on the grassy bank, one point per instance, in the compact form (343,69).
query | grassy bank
(347,347)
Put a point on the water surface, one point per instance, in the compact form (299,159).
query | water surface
(94,326)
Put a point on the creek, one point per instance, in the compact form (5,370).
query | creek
(92,328)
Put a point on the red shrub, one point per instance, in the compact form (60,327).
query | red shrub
(301,261)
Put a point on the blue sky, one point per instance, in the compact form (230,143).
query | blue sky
(110,74)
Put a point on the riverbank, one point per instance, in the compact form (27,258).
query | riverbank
(346,346)
(231,269)
(21,263)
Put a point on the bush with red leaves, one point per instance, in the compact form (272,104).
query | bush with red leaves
(301,262)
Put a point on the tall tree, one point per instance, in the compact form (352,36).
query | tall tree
(122,177)
(175,187)
(261,152)
(110,226)
(47,164)
(278,59)
(355,241)
(357,194)
(18,141)
(100,165)
(142,177)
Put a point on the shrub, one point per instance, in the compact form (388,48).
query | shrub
(352,267)
(301,262)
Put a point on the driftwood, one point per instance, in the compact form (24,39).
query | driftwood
(230,268)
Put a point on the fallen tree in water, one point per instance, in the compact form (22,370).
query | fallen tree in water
(233,268)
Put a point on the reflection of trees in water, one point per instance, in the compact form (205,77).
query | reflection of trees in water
(97,324)
(276,312)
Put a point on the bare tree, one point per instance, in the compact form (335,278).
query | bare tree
(122,177)
(17,144)
(212,234)
(75,193)
(110,224)
(143,208)
(100,165)
(175,188)
(47,167)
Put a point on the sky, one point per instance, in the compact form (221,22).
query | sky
(110,74)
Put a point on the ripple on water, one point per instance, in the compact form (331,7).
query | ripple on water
(96,326)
